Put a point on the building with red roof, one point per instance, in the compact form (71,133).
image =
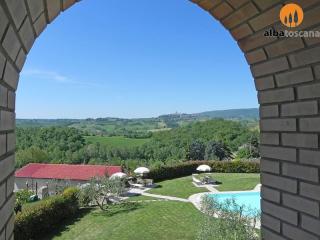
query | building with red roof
(37,175)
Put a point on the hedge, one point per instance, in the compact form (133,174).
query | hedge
(187,168)
(36,221)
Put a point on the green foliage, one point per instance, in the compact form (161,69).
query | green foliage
(227,220)
(187,168)
(131,128)
(54,144)
(34,222)
(196,150)
(100,190)
(217,151)
(210,140)
(23,196)
(31,155)
(190,141)
(248,151)
(85,197)
(142,127)
(233,134)
(116,141)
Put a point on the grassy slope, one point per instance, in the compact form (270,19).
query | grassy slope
(237,181)
(118,125)
(179,187)
(117,141)
(154,220)
(182,187)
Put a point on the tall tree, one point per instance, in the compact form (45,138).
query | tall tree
(196,150)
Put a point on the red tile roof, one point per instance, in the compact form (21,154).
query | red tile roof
(65,171)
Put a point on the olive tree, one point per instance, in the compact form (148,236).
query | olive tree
(227,220)
(101,190)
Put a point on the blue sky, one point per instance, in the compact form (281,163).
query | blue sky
(133,59)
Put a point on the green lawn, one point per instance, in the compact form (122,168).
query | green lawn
(179,187)
(117,141)
(149,221)
(236,181)
(183,187)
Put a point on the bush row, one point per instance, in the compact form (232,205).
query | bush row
(36,221)
(187,168)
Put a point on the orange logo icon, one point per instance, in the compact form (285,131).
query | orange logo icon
(291,15)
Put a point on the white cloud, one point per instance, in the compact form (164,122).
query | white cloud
(48,75)
(57,77)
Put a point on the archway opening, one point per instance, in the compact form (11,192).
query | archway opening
(135,65)
(286,76)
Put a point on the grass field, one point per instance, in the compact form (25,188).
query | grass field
(183,187)
(117,141)
(148,221)
(236,181)
(179,187)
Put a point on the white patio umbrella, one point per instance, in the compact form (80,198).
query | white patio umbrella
(141,170)
(120,175)
(204,168)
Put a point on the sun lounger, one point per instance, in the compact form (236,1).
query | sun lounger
(210,180)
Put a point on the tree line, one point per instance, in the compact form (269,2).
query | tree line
(210,140)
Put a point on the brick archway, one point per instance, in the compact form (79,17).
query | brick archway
(287,78)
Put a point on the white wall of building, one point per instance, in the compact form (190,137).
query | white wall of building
(53,184)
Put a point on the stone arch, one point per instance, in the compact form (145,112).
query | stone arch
(287,78)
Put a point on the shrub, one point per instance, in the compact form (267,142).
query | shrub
(187,168)
(34,222)
(227,220)
(23,196)
(247,151)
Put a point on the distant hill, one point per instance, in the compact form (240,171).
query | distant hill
(127,127)
(246,113)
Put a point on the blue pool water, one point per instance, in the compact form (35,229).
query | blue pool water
(248,199)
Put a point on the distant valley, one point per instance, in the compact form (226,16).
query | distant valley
(143,126)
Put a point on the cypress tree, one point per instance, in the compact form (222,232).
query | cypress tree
(290,19)
(296,18)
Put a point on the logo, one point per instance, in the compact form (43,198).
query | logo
(291,15)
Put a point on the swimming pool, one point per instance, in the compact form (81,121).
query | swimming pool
(251,200)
